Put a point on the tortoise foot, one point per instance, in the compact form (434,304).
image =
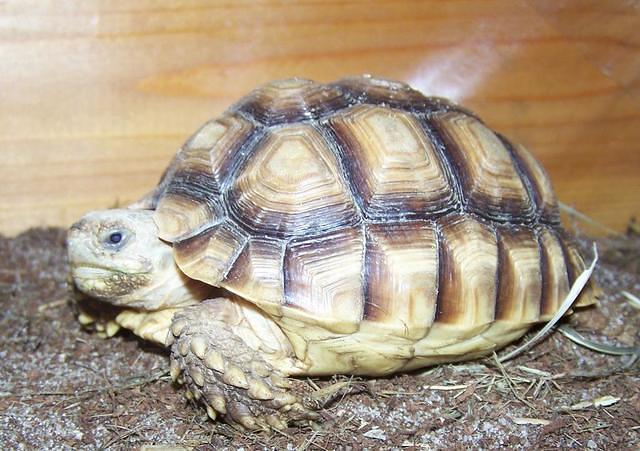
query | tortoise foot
(233,381)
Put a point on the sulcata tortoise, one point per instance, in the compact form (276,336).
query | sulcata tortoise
(356,227)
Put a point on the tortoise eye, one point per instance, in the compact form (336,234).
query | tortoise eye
(115,237)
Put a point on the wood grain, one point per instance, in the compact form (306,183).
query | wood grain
(95,97)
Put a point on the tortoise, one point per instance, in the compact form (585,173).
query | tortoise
(356,227)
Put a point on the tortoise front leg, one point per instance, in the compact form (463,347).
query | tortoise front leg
(232,368)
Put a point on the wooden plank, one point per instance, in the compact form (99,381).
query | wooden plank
(96,96)
(606,32)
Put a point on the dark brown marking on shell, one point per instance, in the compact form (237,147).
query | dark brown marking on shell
(445,160)
(444,273)
(491,184)
(520,276)
(369,90)
(337,147)
(196,186)
(523,174)
(536,181)
(210,254)
(323,276)
(291,101)
(545,268)
(392,162)
(555,281)
(401,262)
(292,186)
(468,270)
(210,155)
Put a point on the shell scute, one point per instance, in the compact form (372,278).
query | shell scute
(520,282)
(402,276)
(323,278)
(469,265)
(210,254)
(392,162)
(257,272)
(491,183)
(292,185)
(555,278)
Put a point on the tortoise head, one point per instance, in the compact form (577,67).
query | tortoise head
(116,256)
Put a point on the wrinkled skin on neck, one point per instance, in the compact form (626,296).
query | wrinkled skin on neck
(117,257)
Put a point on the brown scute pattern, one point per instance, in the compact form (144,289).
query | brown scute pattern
(468,271)
(193,183)
(392,162)
(323,277)
(520,278)
(555,280)
(491,183)
(209,255)
(221,140)
(292,186)
(402,285)
(257,272)
(543,194)
(363,203)
(291,101)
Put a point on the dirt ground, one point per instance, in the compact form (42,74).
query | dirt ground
(64,387)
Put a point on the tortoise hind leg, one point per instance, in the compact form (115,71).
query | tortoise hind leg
(224,365)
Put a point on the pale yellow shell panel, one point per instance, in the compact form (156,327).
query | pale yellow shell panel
(209,255)
(520,278)
(323,279)
(292,184)
(402,277)
(556,284)
(257,273)
(392,162)
(468,272)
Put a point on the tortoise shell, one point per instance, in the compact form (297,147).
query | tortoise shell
(365,203)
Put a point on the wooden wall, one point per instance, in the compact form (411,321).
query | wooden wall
(95,96)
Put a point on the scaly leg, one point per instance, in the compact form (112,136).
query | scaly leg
(236,362)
